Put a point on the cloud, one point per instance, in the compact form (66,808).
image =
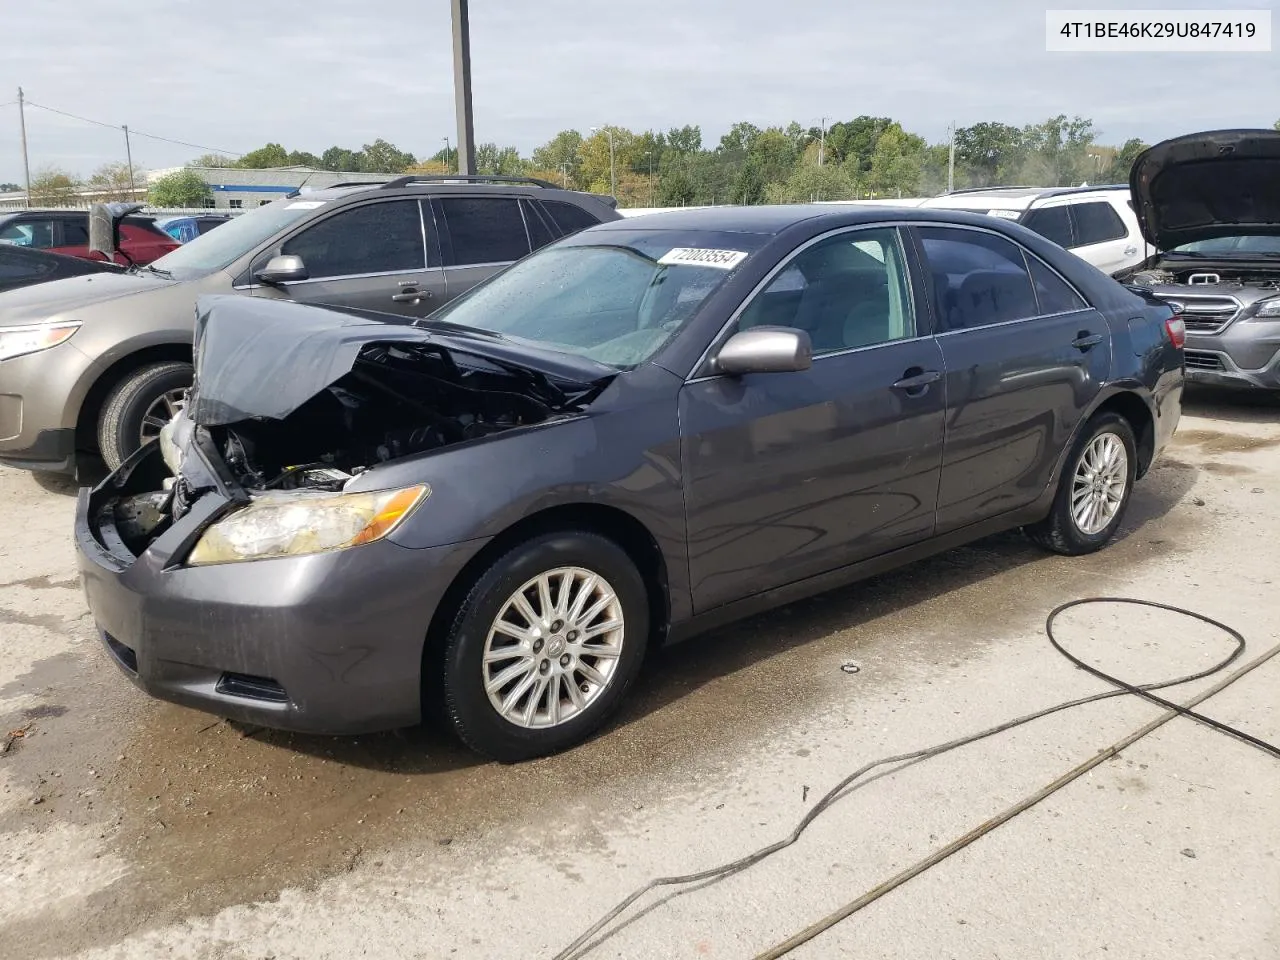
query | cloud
(237,74)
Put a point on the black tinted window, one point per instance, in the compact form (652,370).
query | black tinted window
(485,229)
(75,233)
(569,218)
(1052,223)
(15,267)
(977,278)
(1097,223)
(1054,294)
(845,292)
(375,238)
(539,233)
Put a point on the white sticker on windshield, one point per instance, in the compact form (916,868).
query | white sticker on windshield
(304,205)
(697,257)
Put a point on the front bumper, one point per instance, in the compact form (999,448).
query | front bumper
(330,643)
(38,410)
(1245,354)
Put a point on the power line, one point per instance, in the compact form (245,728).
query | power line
(135,133)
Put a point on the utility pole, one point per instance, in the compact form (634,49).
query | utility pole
(446,155)
(652,192)
(26,165)
(951,159)
(462,88)
(128,153)
(822,142)
(564,174)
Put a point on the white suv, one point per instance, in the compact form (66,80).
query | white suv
(1097,224)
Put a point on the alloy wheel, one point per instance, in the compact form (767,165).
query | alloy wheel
(163,409)
(553,649)
(1099,484)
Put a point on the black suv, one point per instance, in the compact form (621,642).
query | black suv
(117,353)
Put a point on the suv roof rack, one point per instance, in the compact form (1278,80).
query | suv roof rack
(464,178)
(952,193)
(354,183)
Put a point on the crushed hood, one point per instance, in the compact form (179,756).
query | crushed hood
(1207,185)
(260,358)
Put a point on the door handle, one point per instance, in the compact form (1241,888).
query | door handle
(411,296)
(915,382)
(1085,340)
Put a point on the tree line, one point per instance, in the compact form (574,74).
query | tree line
(865,157)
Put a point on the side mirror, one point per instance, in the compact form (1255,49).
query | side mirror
(282,270)
(765,350)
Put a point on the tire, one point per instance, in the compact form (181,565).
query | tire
(464,672)
(121,423)
(1061,531)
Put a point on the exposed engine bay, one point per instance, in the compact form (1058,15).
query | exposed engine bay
(1211,292)
(397,401)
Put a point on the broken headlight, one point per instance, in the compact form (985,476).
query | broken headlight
(297,523)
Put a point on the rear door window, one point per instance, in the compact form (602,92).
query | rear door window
(381,237)
(75,232)
(569,218)
(1054,294)
(1052,223)
(1097,222)
(539,232)
(484,229)
(977,278)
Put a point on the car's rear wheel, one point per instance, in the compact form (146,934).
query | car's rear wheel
(1094,491)
(138,406)
(545,646)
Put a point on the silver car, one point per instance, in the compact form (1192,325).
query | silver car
(93,366)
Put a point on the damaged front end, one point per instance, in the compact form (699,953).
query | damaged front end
(292,403)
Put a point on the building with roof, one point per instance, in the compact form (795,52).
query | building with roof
(236,188)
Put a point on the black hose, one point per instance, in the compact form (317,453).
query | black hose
(581,946)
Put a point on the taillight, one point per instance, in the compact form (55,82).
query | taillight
(1177,331)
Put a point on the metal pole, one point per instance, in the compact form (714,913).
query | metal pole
(462,88)
(26,165)
(822,142)
(951,161)
(446,154)
(652,197)
(128,153)
(613,180)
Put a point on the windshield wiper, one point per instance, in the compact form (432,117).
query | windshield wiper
(158,271)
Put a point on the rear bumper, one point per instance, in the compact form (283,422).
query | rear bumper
(330,643)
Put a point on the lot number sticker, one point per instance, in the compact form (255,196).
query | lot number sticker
(697,257)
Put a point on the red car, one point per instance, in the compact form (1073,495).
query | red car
(67,232)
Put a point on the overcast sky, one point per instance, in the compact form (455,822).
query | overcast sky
(234,74)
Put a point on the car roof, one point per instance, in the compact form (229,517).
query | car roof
(774,219)
(444,184)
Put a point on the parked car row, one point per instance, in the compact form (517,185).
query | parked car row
(483,458)
(67,232)
(406,247)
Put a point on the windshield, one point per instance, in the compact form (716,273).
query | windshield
(616,300)
(233,239)
(1238,246)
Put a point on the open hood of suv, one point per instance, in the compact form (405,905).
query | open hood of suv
(1206,185)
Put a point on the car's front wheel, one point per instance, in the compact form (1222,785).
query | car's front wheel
(545,645)
(1094,491)
(138,406)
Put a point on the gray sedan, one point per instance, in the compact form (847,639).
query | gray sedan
(641,431)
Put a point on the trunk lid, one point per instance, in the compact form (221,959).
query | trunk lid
(1207,185)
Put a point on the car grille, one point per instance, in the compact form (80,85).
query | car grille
(1203,360)
(1206,314)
